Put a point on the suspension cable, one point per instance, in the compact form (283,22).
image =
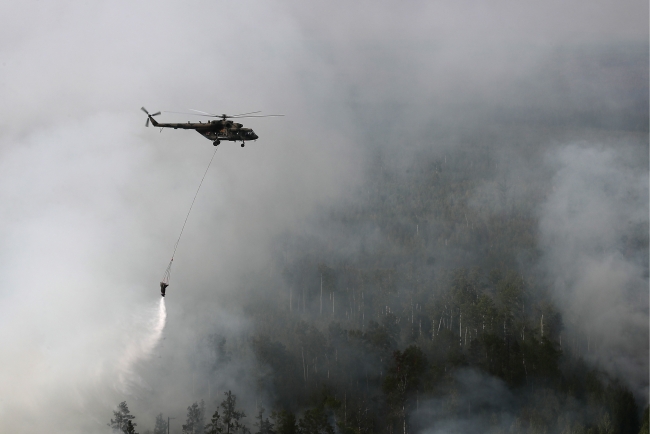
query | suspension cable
(167,274)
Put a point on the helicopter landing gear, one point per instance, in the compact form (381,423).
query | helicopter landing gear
(216,143)
(242,144)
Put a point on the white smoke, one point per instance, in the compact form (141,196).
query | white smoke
(140,345)
(594,233)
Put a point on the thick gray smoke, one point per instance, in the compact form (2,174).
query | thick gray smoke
(92,201)
(596,210)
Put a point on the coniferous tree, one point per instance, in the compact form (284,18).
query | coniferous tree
(161,425)
(265,426)
(285,422)
(215,426)
(130,428)
(122,418)
(314,421)
(403,377)
(195,423)
(645,424)
(232,418)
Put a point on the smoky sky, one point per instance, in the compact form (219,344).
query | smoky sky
(92,201)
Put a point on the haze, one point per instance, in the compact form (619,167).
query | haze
(92,201)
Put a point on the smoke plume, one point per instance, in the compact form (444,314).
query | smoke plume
(590,223)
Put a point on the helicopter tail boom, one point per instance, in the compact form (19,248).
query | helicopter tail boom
(153,121)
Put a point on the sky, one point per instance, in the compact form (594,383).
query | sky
(92,201)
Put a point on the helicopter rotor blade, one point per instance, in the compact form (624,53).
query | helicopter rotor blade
(193,114)
(222,116)
(244,114)
(256,116)
(204,113)
(144,110)
(155,114)
(147,124)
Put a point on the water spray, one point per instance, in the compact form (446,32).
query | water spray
(140,346)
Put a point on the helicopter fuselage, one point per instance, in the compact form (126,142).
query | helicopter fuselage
(216,130)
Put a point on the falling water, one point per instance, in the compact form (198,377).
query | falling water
(157,326)
(140,344)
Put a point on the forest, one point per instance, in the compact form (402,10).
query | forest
(420,306)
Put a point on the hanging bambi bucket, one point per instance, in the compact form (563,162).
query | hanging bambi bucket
(164,283)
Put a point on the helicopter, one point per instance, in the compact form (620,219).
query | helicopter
(215,130)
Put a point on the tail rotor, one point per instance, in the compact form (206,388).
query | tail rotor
(149,116)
